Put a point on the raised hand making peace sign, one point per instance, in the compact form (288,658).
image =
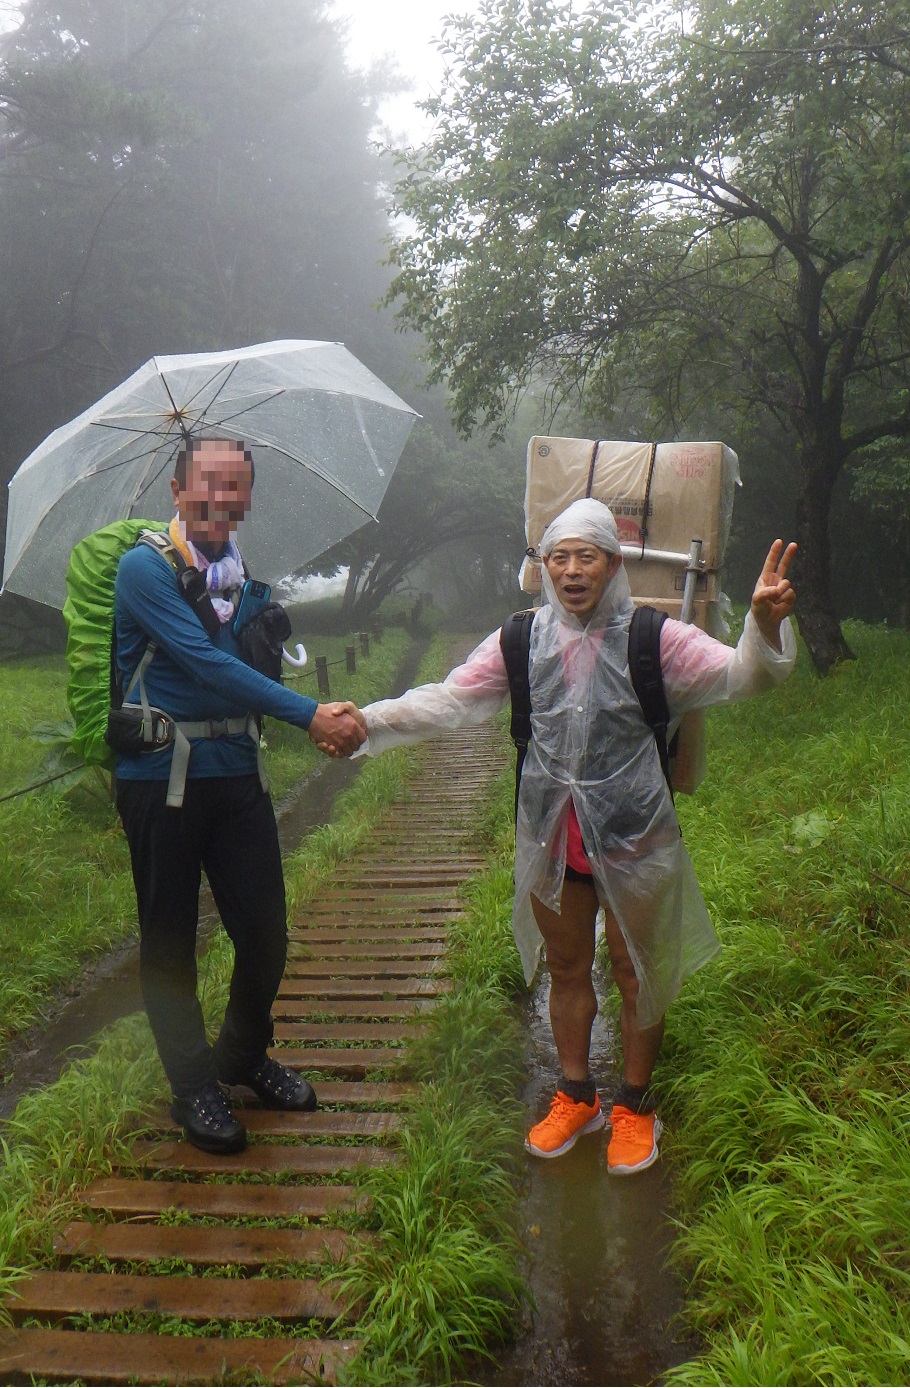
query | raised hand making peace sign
(774,596)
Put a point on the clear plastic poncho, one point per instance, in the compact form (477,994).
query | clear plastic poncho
(592,747)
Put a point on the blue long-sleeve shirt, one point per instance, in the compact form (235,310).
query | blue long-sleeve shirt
(190,676)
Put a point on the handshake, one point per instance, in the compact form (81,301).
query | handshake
(338,729)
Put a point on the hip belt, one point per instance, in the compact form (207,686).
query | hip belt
(136,729)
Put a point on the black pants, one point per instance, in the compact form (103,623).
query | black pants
(227,826)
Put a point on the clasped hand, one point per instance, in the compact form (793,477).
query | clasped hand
(338,729)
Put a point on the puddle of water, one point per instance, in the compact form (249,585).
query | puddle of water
(605,1302)
(109,988)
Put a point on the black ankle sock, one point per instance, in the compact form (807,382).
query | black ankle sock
(638,1099)
(582,1091)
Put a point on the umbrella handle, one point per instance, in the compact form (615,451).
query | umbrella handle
(297,663)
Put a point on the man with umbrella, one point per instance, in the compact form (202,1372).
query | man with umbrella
(225,823)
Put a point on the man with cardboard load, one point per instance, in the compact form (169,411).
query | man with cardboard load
(595,819)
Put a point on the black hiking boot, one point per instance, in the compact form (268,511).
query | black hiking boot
(277,1087)
(207,1121)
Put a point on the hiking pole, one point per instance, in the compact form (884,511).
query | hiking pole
(693,572)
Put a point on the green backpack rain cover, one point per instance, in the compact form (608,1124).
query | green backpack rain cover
(89,615)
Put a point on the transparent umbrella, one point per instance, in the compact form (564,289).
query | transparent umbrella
(325,434)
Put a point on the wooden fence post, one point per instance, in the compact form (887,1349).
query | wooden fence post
(350,656)
(364,643)
(322,676)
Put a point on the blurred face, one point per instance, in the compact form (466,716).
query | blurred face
(217,492)
(580,572)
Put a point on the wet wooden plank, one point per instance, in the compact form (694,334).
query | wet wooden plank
(363,934)
(271,1123)
(293,1008)
(346,1031)
(59,1356)
(137,1198)
(56,1295)
(384,989)
(364,1092)
(400,899)
(340,1060)
(205,1247)
(361,968)
(269,1159)
(301,948)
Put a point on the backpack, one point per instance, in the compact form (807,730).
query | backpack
(93,686)
(644,670)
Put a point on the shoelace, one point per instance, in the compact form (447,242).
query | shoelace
(562,1106)
(625,1125)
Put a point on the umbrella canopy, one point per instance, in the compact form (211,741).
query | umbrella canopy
(325,434)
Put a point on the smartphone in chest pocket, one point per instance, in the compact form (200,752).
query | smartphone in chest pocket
(254,596)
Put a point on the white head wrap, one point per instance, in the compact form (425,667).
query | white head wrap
(584,520)
(593,522)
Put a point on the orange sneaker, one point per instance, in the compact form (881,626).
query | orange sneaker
(566,1122)
(633,1143)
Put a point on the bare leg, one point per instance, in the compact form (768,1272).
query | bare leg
(640,1045)
(569,938)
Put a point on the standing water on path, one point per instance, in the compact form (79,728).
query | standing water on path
(605,1301)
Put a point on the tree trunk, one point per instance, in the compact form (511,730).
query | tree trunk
(818,623)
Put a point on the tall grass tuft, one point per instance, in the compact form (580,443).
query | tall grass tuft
(440,1280)
(787,1060)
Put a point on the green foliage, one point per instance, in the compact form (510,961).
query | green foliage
(710,204)
(787,1060)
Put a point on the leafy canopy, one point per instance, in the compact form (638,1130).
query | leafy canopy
(718,195)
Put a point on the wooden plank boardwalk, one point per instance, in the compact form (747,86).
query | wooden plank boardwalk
(180,1239)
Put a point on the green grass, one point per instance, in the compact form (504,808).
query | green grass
(787,1060)
(441,1279)
(66,893)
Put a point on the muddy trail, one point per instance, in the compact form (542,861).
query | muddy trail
(108,988)
(606,1303)
(364,967)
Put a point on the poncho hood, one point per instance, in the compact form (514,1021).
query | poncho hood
(592,522)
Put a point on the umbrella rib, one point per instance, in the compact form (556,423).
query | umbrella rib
(315,468)
(227,419)
(205,385)
(150,482)
(131,458)
(177,413)
(161,432)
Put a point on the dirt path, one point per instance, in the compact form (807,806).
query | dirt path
(365,966)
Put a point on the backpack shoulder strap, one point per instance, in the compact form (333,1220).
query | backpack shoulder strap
(647,677)
(515,644)
(161,542)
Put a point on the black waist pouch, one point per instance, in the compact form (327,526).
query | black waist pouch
(124,732)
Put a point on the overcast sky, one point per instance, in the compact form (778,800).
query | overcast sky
(404,30)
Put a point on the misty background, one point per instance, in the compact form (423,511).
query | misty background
(180,176)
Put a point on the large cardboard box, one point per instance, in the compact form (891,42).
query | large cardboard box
(663,496)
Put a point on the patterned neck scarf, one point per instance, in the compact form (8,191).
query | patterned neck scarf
(223,575)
